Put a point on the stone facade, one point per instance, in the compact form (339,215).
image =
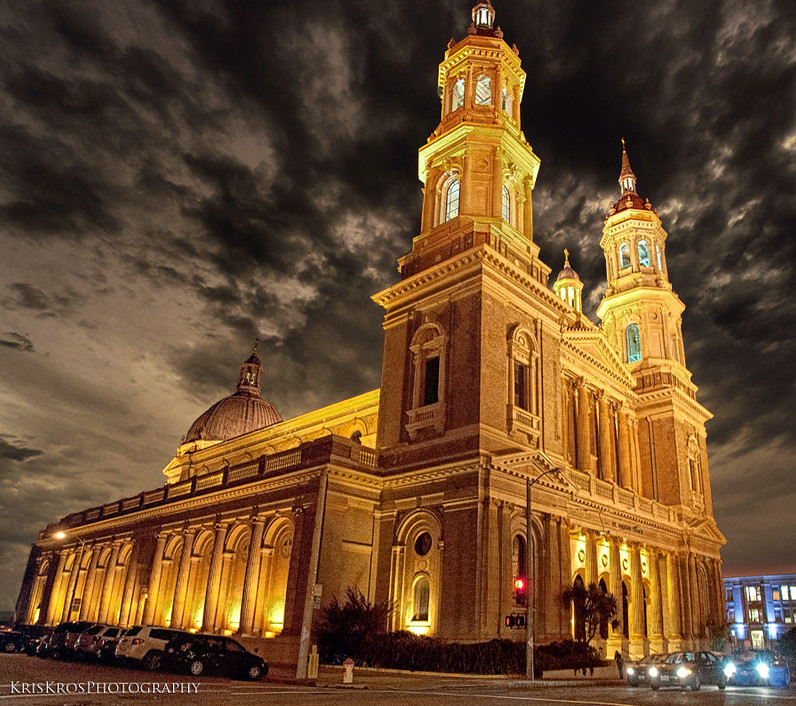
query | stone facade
(416,492)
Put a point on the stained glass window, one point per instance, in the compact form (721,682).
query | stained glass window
(633,337)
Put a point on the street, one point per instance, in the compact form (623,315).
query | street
(26,680)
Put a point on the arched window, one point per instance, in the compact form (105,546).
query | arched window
(658,251)
(483,90)
(506,204)
(603,620)
(579,610)
(633,340)
(643,253)
(452,200)
(518,557)
(458,95)
(694,466)
(421,600)
(624,256)
(428,349)
(508,101)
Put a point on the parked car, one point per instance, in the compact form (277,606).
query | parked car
(144,644)
(758,668)
(12,640)
(688,669)
(36,635)
(106,652)
(637,671)
(62,641)
(90,641)
(201,654)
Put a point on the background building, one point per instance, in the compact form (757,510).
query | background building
(416,492)
(760,609)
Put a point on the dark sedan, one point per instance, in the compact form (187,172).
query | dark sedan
(758,668)
(201,654)
(688,670)
(637,671)
(12,640)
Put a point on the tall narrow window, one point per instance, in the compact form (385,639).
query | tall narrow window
(506,204)
(483,90)
(625,611)
(658,251)
(518,557)
(633,339)
(431,386)
(452,200)
(421,600)
(458,94)
(521,386)
(624,256)
(643,253)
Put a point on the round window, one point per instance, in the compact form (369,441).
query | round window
(423,544)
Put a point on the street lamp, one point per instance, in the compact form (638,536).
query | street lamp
(530,604)
(75,570)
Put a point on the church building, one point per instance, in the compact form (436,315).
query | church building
(495,388)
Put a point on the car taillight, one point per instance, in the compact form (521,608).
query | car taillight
(96,638)
(137,641)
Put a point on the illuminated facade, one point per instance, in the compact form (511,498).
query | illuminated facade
(760,609)
(416,492)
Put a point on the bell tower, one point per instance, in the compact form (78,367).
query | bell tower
(461,371)
(642,319)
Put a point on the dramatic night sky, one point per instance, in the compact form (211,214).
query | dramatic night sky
(177,178)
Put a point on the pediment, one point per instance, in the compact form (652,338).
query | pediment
(706,527)
(591,347)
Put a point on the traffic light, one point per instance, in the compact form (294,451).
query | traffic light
(515,620)
(520,591)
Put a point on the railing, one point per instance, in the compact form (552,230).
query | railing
(329,449)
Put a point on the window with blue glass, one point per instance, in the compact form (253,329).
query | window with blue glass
(633,338)
(452,200)
(643,254)
(624,256)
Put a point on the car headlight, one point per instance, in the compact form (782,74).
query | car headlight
(653,671)
(762,670)
(729,669)
(683,672)
(630,670)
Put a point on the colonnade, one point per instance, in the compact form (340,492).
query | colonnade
(601,435)
(231,576)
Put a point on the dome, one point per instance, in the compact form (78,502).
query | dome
(234,415)
(567,273)
(239,413)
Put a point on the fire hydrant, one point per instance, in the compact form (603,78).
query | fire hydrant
(348,674)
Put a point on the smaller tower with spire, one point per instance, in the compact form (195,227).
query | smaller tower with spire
(250,372)
(568,285)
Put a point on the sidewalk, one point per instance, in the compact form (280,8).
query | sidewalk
(371,677)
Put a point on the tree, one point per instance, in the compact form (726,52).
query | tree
(592,607)
(787,647)
(719,633)
(345,628)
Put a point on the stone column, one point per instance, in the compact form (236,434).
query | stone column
(465,185)
(635,456)
(565,551)
(693,593)
(469,89)
(214,579)
(515,106)
(604,441)
(554,589)
(657,640)
(88,587)
(126,608)
(252,578)
(673,627)
(584,437)
(430,199)
(55,593)
(110,580)
(591,558)
(616,641)
(183,573)
(154,578)
(497,185)
(637,607)
(625,479)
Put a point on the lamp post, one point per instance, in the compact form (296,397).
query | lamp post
(529,607)
(75,568)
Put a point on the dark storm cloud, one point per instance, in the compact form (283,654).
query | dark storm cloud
(11,450)
(15,339)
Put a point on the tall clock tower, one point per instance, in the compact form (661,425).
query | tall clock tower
(642,318)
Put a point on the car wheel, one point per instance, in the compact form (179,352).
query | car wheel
(152,661)
(655,687)
(254,673)
(695,683)
(55,654)
(9,647)
(196,667)
(722,683)
(633,682)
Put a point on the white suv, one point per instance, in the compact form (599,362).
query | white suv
(145,644)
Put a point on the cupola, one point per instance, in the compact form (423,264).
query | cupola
(568,285)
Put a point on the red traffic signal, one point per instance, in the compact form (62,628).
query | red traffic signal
(519,584)
(520,590)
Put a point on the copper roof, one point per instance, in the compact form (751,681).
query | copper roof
(232,416)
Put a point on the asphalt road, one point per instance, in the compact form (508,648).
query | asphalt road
(26,680)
